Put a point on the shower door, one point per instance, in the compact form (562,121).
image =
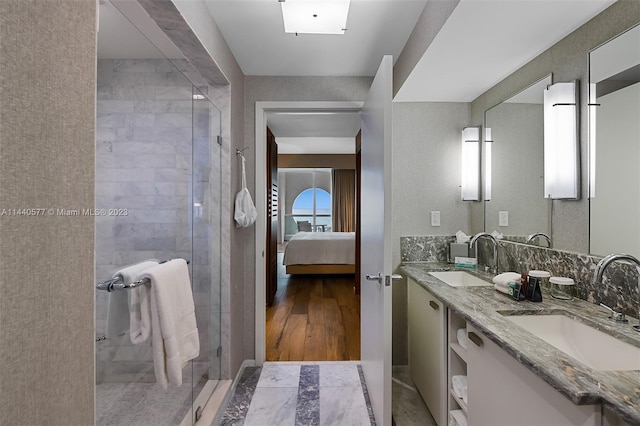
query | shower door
(158,163)
(206,191)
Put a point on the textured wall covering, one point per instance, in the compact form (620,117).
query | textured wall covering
(426,177)
(47,114)
(567,60)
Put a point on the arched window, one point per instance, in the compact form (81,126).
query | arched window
(314,206)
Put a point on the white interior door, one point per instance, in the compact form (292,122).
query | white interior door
(376,242)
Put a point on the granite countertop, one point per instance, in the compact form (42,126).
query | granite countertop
(481,306)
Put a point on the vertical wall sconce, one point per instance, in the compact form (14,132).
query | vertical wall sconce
(561,141)
(471,164)
(488,145)
(592,139)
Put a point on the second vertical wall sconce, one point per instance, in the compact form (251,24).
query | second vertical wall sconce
(561,169)
(471,164)
(488,145)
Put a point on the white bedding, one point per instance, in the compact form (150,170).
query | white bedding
(321,248)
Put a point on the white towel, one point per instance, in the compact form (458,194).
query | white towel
(462,337)
(501,289)
(138,301)
(506,277)
(118,311)
(174,332)
(459,385)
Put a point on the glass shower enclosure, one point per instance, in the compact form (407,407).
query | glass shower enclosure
(158,184)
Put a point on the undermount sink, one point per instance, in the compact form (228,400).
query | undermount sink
(597,350)
(459,279)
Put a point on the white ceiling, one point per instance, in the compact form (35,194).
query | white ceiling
(315,132)
(255,33)
(318,124)
(329,145)
(484,41)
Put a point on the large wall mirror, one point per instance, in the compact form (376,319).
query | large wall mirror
(514,139)
(614,137)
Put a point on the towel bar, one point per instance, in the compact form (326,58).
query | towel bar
(117,283)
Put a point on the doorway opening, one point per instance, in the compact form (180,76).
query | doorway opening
(313,317)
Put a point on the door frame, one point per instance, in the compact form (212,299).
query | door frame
(261,111)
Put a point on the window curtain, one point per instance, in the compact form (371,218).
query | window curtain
(344,200)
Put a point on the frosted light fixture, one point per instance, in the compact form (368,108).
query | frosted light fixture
(471,164)
(592,140)
(488,145)
(315,17)
(561,141)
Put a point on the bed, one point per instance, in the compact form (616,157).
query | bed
(321,253)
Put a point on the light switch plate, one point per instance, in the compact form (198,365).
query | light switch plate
(503,218)
(435,218)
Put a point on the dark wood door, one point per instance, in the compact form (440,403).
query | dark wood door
(271,255)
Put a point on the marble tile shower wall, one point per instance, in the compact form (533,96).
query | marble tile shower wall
(619,289)
(146,130)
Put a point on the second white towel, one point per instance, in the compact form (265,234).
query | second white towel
(124,305)
(459,385)
(462,337)
(174,331)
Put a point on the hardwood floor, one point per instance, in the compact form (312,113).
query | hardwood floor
(313,318)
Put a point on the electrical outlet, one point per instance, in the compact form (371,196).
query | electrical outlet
(503,219)
(435,218)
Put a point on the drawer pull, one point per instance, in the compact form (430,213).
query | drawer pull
(475,338)
(434,305)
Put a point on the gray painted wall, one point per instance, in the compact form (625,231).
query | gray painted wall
(47,80)
(567,60)
(426,177)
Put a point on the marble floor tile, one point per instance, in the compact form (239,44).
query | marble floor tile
(367,399)
(238,405)
(408,408)
(337,375)
(263,396)
(272,407)
(343,406)
(308,405)
(279,376)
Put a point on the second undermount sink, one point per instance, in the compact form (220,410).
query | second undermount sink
(597,350)
(459,279)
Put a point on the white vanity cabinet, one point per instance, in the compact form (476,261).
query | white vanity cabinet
(501,391)
(427,349)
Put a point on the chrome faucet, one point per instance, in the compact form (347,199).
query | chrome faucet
(599,272)
(535,235)
(495,248)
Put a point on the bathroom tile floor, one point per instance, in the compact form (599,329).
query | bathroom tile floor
(304,393)
(324,393)
(408,408)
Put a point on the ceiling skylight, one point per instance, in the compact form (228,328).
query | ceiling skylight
(315,17)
